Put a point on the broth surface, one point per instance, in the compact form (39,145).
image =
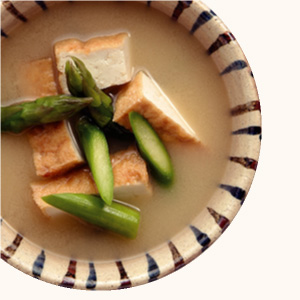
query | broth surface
(186,74)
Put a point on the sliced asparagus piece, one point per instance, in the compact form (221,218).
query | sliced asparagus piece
(117,217)
(81,83)
(152,148)
(18,117)
(96,151)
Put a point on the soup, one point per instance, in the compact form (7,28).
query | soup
(183,70)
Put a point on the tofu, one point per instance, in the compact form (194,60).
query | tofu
(144,96)
(36,79)
(77,181)
(54,149)
(131,179)
(106,57)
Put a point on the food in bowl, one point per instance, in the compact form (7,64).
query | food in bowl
(164,65)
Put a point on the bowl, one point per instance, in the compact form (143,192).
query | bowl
(211,222)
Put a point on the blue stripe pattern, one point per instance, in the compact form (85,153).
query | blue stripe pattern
(3,34)
(42,4)
(235,191)
(235,66)
(38,265)
(201,237)
(251,130)
(153,269)
(92,279)
(204,17)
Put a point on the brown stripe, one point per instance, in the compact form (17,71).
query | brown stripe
(222,221)
(4,256)
(222,40)
(177,258)
(69,279)
(125,281)
(245,108)
(11,249)
(181,6)
(247,162)
(12,10)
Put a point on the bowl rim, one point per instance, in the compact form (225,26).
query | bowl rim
(202,232)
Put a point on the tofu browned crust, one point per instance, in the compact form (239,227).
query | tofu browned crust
(131,177)
(54,151)
(36,79)
(144,96)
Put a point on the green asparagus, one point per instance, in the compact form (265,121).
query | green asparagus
(117,217)
(18,117)
(152,148)
(81,83)
(95,149)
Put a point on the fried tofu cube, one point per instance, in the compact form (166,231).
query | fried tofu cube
(131,177)
(36,79)
(106,57)
(54,149)
(144,96)
(131,180)
(77,181)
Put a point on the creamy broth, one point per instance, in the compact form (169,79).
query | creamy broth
(187,75)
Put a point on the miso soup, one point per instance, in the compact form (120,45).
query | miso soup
(184,71)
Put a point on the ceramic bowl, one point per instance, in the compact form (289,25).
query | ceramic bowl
(210,223)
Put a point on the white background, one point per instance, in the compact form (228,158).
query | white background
(258,256)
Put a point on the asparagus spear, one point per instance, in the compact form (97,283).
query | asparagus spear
(81,83)
(117,217)
(96,151)
(18,117)
(152,148)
